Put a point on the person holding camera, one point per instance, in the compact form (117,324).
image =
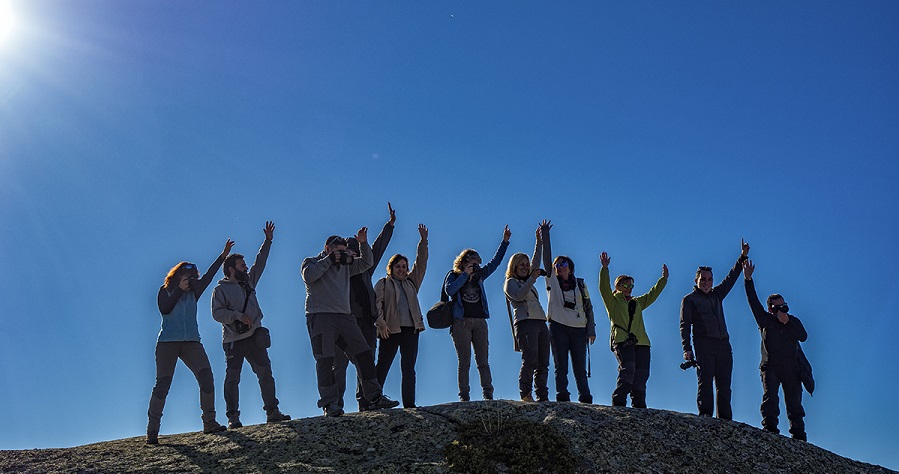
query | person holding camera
(465,286)
(781,334)
(629,340)
(234,305)
(702,311)
(179,338)
(362,304)
(333,327)
(571,322)
(399,315)
(530,331)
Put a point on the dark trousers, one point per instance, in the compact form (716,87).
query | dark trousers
(253,351)
(341,362)
(715,361)
(773,377)
(194,357)
(468,334)
(407,342)
(533,340)
(329,334)
(565,341)
(633,373)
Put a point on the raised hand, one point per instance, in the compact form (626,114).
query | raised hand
(392,214)
(539,234)
(744,248)
(228,245)
(665,270)
(604,259)
(269,230)
(507,234)
(423,231)
(748,268)
(362,235)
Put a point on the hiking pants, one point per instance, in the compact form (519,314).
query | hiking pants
(570,340)
(471,333)
(715,361)
(407,342)
(254,351)
(332,332)
(773,377)
(533,340)
(194,357)
(341,362)
(633,373)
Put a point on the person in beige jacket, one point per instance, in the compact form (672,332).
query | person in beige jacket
(399,315)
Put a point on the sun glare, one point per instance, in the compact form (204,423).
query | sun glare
(7,21)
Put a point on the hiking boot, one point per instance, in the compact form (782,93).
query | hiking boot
(464,398)
(152,437)
(488,396)
(527,398)
(586,399)
(542,399)
(235,423)
(212,427)
(333,410)
(383,402)
(276,417)
(563,398)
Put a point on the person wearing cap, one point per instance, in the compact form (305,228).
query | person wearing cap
(234,304)
(179,338)
(702,313)
(781,334)
(333,327)
(362,304)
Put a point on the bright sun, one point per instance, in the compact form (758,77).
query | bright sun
(7,21)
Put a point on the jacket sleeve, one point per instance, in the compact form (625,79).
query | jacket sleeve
(380,245)
(420,266)
(588,309)
(314,267)
(653,294)
(381,317)
(725,286)
(547,252)
(496,260)
(686,323)
(220,310)
(361,264)
(454,283)
(167,301)
(538,254)
(796,329)
(605,286)
(758,311)
(207,277)
(259,263)
(517,290)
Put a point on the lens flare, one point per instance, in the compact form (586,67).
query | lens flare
(7,21)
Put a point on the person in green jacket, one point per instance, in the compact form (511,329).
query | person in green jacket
(629,340)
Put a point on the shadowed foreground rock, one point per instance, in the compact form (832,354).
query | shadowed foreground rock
(597,438)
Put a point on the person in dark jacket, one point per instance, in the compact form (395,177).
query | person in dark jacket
(179,338)
(702,311)
(362,304)
(781,334)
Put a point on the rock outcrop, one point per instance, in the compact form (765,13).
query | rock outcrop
(498,436)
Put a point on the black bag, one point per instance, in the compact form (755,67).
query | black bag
(440,316)
(263,337)
(805,372)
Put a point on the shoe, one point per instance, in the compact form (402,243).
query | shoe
(542,399)
(235,423)
(383,402)
(585,399)
(276,417)
(800,437)
(527,398)
(464,398)
(563,398)
(333,410)
(212,427)
(152,437)
(488,396)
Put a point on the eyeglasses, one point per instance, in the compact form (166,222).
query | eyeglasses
(562,265)
(629,286)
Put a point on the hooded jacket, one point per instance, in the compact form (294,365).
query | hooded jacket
(228,299)
(387,293)
(454,282)
(704,312)
(328,284)
(616,307)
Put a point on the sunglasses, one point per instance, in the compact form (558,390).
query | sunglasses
(783,308)
(189,266)
(629,286)
(562,265)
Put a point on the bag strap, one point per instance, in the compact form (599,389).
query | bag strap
(444,297)
(248,290)
(512,325)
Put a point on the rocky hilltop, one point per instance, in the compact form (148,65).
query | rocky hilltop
(498,436)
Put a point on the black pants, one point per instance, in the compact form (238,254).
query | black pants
(330,334)
(633,373)
(773,377)
(569,340)
(341,362)
(715,361)
(533,340)
(407,343)
(255,352)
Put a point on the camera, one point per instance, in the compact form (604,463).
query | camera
(342,257)
(569,305)
(240,327)
(688,364)
(475,273)
(630,341)
(541,272)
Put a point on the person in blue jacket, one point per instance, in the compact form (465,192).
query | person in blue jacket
(465,286)
(179,338)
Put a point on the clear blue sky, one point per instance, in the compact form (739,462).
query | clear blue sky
(134,135)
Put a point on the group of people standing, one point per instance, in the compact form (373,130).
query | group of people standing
(351,320)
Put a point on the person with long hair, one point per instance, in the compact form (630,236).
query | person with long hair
(629,340)
(179,338)
(399,316)
(530,331)
(571,323)
(464,284)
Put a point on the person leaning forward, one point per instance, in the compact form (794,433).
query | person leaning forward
(234,305)
(331,324)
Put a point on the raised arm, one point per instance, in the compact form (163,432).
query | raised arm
(758,310)
(420,265)
(361,264)
(605,282)
(498,256)
(650,297)
(538,250)
(200,286)
(262,256)
(725,286)
(380,244)
(314,267)
(545,227)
